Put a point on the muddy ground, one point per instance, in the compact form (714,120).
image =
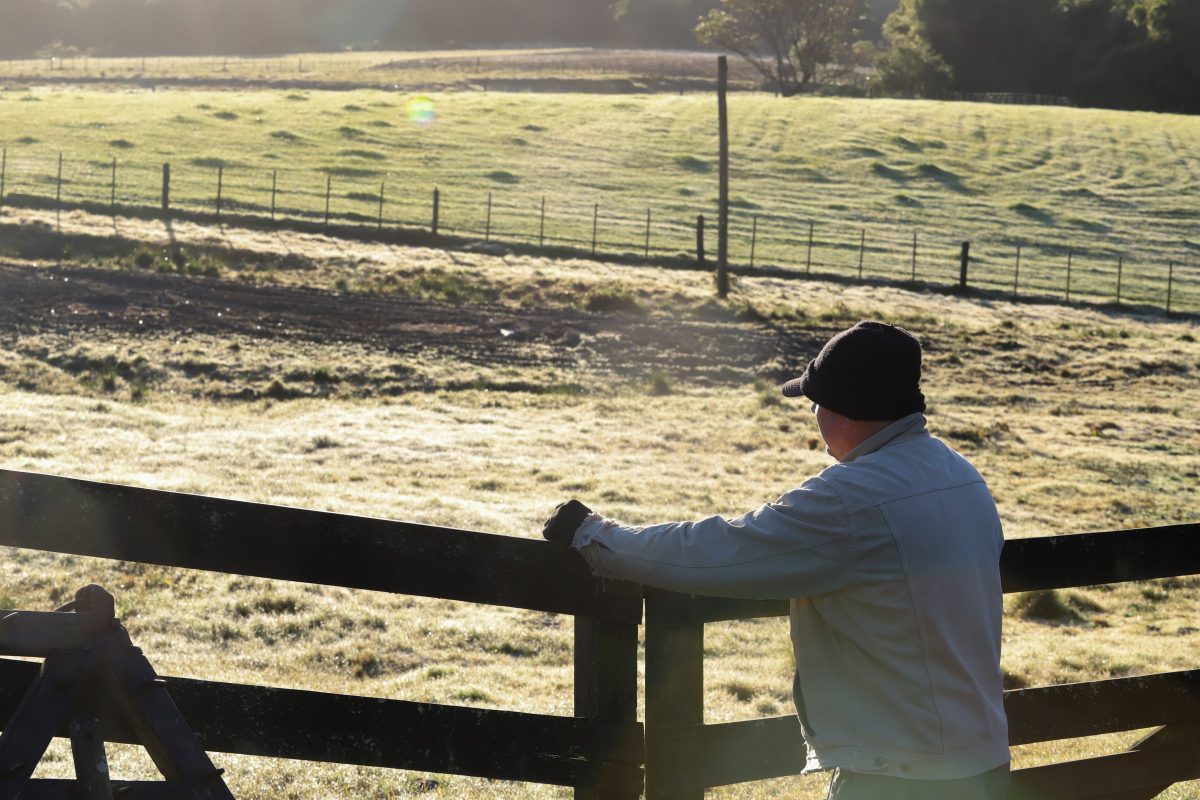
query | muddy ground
(84,300)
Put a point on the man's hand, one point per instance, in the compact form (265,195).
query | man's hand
(564,521)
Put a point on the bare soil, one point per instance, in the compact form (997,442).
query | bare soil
(69,297)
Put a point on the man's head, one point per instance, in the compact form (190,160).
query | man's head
(863,378)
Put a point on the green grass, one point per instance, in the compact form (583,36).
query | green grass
(1099,184)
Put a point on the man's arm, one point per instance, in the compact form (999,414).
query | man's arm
(798,545)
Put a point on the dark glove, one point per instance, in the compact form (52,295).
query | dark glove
(565,520)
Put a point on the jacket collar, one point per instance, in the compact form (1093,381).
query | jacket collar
(912,425)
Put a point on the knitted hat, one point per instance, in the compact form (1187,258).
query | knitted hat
(871,371)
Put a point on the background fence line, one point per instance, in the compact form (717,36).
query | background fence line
(628,229)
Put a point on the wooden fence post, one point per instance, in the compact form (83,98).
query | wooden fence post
(1070,257)
(274,184)
(646,250)
(753,239)
(379,221)
(914,258)
(220,187)
(1170,282)
(1017,273)
(606,682)
(862,249)
(542,225)
(112,197)
(700,241)
(723,179)
(487,233)
(1120,270)
(437,202)
(328,191)
(674,687)
(58,194)
(808,257)
(166,188)
(595,224)
(963,264)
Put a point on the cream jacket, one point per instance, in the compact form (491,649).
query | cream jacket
(890,559)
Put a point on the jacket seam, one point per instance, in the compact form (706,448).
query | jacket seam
(920,628)
(898,498)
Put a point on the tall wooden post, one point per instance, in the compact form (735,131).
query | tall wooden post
(1070,255)
(723,187)
(487,233)
(542,224)
(700,241)
(166,189)
(328,192)
(674,688)
(606,682)
(753,239)
(1017,272)
(964,263)
(646,250)
(808,255)
(914,258)
(220,187)
(437,202)
(1120,271)
(379,219)
(58,194)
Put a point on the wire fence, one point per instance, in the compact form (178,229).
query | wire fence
(349,196)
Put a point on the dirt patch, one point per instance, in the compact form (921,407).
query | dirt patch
(711,352)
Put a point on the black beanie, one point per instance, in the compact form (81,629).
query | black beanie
(869,372)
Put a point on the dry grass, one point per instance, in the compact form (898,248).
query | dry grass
(1079,418)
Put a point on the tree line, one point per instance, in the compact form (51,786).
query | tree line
(1140,54)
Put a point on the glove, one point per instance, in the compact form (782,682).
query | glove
(565,520)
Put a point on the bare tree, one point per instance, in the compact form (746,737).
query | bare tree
(787,41)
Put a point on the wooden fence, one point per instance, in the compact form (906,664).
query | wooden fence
(603,749)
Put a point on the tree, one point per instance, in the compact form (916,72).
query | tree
(787,41)
(910,66)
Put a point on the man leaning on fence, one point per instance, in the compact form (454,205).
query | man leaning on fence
(890,559)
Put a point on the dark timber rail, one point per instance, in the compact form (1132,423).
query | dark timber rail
(602,750)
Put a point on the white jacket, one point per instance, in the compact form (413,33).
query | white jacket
(891,561)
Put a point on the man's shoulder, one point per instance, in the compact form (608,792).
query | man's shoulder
(915,466)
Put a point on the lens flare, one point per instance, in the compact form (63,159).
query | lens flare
(420,110)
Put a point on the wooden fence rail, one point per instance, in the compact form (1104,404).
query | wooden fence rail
(603,750)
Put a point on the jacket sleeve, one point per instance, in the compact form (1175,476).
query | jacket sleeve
(799,545)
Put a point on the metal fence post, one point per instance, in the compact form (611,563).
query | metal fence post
(437,202)
(487,233)
(862,249)
(1070,257)
(112,197)
(274,184)
(542,225)
(808,257)
(646,250)
(328,192)
(595,224)
(700,240)
(753,239)
(220,186)
(965,261)
(379,221)
(1120,271)
(914,258)
(58,194)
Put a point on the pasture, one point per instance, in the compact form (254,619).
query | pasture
(1080,419)
(479,389)
(890,188)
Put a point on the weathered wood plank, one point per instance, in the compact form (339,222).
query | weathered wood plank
(40,633)
(1086,709)
(1088,778)
(1049,562)
(58,789)
(67,515)
(315,726)
(1085,559)
(606,683)
(735,752)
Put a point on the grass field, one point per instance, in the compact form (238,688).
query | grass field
(1080,420)
(1115,192)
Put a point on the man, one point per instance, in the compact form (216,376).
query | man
(890,559)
